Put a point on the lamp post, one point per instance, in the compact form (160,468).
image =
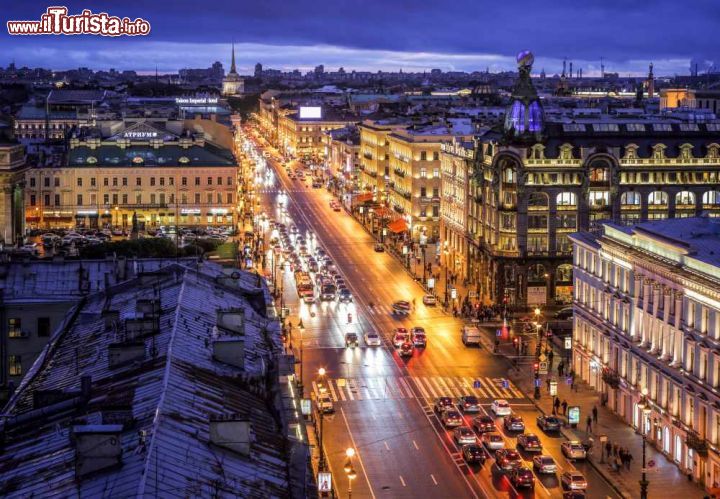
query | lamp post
(321,374)
(446,252)
(537,329)
(349,470)
(301,327)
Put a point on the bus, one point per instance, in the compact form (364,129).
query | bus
(305,288)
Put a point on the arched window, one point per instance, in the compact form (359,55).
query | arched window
(599,175)
(657,198)
(564,273)
(536,273)
(685,198)
(630,199)
(711,197)
(538,200)
(509,176)
(566,199)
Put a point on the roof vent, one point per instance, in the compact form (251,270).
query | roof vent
(97,448)
(232,433)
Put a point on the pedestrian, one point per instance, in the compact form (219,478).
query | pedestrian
(564,406)
(608,448)
(561,368)
(572,385)
(551,355)
(628,460)
(556,406)
(588,425)
(615,449)
(618,464)
(594,414)
(547,382)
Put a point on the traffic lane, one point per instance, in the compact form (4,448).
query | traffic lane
(398,448)
(551,442)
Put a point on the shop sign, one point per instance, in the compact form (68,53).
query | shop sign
(574,415)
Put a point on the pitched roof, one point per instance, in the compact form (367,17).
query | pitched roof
(172,394)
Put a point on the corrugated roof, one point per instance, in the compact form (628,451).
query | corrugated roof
(173,395)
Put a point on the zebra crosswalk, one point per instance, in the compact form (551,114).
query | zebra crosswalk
(427,387)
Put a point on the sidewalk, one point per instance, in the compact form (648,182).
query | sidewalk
(664,479)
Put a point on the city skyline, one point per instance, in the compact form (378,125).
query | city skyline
(306,34)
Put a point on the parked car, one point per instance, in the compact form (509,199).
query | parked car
(379,247)
(548,423)
(573,480)
(429,300)
(573,449)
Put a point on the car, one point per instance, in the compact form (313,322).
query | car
(493,440)
(451,418)
(468,403)
(419,339)
(573,449)
(340,282)
(573,480)
(406,349)
(483,424)
(316,184)
(513,422)
(344,295)
(522,477)
(545,464)
(500,407)
(473,453)
(379,247)
(574,494)
(351,340)
(442,403)
(548,423)
(464,435)
(507,459)
(372,339)
(324,402)
(401,307)
(529,442)
(400,336)
(429,300)
(336,207)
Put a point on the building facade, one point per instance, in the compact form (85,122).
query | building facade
(375,155)
(647,333)
(303,137)
(12,185)
(145,169)
(342,156)
(537,182)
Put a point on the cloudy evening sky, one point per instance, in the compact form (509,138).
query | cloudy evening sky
(382,34)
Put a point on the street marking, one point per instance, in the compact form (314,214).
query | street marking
(332,391)
(433,478)
(416,445)
(386,445)
(402,481)
(357,453)
(408,390)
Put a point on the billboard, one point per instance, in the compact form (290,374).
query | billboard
(307,112)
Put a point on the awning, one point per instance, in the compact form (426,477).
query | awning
(382,212)
(364,198)
(399,225)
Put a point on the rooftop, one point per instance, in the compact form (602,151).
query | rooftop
(160,406)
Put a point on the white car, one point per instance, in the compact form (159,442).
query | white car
(429,300)
(372,339)
(573,449)
(493,440)
(500,407)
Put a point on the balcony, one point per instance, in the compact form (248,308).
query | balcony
(399,172)
(611,378)
(695,442)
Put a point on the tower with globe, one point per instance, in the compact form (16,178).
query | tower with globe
(524,116)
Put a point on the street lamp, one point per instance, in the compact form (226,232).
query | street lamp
(349,470)
(446,252)
(301,327)
(643,481)
(321,374)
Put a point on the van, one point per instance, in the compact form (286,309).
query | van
(470,335)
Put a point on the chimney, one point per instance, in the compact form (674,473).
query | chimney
(232,433)
(230,350)
(97,448)
(120,354)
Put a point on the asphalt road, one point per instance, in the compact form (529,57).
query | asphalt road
(383,402)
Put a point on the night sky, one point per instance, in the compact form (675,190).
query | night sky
(383,34)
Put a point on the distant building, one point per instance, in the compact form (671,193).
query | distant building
(159,172)
(258,70)
(302,136)
(342,155)
(171,384)
(646,330)
(233,83)
(13,167)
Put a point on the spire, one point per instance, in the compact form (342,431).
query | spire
(232,64)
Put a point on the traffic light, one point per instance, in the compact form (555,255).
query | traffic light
(536,367)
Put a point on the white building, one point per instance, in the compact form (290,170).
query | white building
(647,332)
(233,83)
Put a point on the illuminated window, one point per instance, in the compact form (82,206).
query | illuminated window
(15,365)
(599,198)
(711,197)
(685,198)
(423,172)
(657,198)
(630,199)
(14,327)
(566,199)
